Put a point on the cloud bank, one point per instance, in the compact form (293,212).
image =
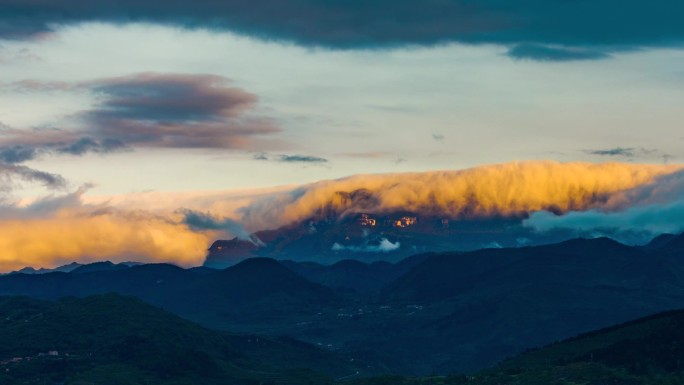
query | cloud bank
(61,229)
(510,189)
(649,209)
(549,30)
(179,227)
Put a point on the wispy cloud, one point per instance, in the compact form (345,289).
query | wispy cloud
(295,158)
(301,159)
(10,173)
(540,52)
(631,153)
(617,151)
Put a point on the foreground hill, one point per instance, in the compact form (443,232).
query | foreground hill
(498,302)
(114,339)
(646,351)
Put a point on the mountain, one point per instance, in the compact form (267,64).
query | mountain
(329,238)
(353,274)
(644,351)
(64,268)
(674,245)
(498,302)
(241,297)
(114,339)
(659,241)
(439,312)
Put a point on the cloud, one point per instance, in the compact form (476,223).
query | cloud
(385,246)
(540,52)
(61,229)
(147,110)
(652,219)
(10,172)
(513,189)
(301,159)
(205,221)
(17,153)
(631,153)
(652,209)
(617,151)
(549,30)
(260,156)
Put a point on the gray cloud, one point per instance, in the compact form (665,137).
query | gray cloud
(539,30)
(540,52)
(86,144)
(632,153)
(10,172)
(17,153)
(200,221)
(297,158)
(301,159)
(617,151)
(145,110)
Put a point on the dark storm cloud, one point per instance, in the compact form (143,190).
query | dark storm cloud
(610,25)
(145,110)
(540,52)
(301,159)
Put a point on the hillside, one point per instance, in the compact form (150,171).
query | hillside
(114,339)
(442,313)
(644,351)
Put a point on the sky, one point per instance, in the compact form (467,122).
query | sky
(124,117)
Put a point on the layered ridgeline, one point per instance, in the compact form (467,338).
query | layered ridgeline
(392,216)
(109,339)
(442,313)
(645,351)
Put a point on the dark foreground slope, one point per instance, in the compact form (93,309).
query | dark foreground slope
(111,339)
(646,351)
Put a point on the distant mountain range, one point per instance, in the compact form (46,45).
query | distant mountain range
(434,312)
(367,237)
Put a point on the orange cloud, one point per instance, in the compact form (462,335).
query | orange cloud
(151,227)
(515,188)
(108,236)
